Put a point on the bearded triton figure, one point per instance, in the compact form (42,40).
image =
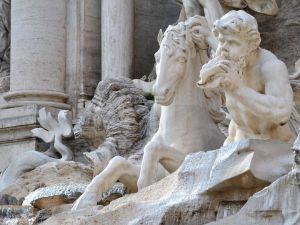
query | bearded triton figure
(258,94)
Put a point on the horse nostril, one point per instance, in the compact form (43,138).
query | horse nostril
(166,91)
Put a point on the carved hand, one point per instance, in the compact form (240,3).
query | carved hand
(232,79)
(219,72)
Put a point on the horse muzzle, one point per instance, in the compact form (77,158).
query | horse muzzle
(165,100)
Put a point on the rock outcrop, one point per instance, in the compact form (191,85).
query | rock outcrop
(181,198)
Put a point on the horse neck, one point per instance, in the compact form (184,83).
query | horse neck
(187,91)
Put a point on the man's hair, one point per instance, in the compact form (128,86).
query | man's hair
(241,23)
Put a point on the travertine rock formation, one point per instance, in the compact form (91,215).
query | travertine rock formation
(277,204)
(182,197)
(48,175)
(114,122)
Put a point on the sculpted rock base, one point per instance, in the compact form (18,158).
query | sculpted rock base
(47,175)
(277,204)
(180,198)
(250,164)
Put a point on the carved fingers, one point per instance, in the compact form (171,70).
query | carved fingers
(219,73)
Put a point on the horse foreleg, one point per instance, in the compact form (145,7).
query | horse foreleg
(154,153)
(117,169)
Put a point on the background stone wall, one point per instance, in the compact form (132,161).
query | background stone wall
(150,16)
(281,34)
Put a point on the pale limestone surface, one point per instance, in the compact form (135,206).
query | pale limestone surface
(49,174)
(249,164)
(55,195)
(277,204)
(182,53)
(182,197)
(83,52)
(117,29)
(52,132)
(258,94)
(38,56)
(180,100)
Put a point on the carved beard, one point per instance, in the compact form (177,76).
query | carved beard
(240,64)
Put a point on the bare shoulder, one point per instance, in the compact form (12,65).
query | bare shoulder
(272,67)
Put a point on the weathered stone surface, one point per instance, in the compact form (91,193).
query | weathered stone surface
(55,195)
(44,47)
(10,211)
(114,122)
(250,164)
(9,200)
(83,51)
(180,198)
(277,204)
(47,175)
(117,31)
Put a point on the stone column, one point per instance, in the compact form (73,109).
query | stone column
(37,78)
(117,28)
(38,53)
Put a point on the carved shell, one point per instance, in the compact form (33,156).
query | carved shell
(118,110)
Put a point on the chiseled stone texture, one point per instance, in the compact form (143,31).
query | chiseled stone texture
(180,198)
(47,175)
(277,204)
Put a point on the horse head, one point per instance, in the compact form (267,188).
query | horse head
(179,45)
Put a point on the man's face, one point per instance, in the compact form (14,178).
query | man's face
(232,46)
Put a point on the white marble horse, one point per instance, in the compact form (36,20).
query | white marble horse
(188,116)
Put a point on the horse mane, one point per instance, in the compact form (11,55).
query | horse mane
(187,35)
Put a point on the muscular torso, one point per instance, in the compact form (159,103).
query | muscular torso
(246,123)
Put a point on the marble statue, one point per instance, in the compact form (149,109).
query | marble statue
(214,9)
(115,122)
(258,94)
(187,116)
(52,132)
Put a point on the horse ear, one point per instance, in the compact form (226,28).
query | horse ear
(160,36)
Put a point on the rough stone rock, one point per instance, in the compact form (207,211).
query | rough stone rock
(8,200)
(277,204)
(44,214)
(250,164)
(10,211)
(58,194)
(180,198)
(117,191)
(47,175)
